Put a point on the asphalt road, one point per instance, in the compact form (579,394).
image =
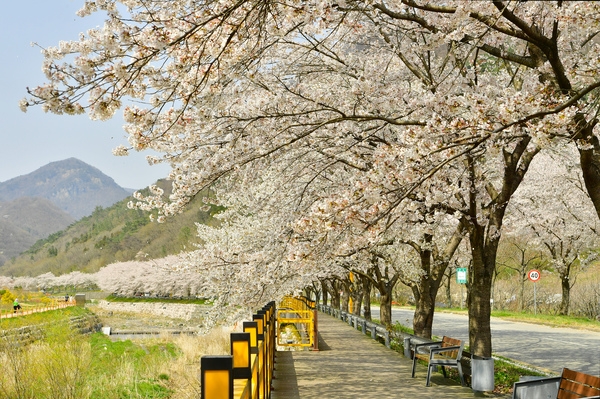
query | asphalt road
(541,346)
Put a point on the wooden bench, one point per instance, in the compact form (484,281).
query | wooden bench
(444,353)
(570,385)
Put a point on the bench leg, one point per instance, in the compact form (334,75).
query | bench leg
(460,374)
(427,383)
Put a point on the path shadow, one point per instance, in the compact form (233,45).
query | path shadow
(322,344)
(285,381)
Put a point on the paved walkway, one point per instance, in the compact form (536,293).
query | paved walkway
(352,365)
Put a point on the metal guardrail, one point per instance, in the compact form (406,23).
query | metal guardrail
(248,371)
(297,316)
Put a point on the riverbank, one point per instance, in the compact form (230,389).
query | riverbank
(149,317)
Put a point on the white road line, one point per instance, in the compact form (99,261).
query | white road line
(562,341)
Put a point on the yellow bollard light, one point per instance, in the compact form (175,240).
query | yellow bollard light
(216,377)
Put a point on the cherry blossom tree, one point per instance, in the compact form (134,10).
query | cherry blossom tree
(521,256)
(158,277)
(553,208)
(366,99)
(434,256)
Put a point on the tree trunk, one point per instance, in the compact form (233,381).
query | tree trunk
(385,286)
(355,290)
(523,277)
(325,291)
(366,289)
(426,289)
(589,158)
(484,239)
(345,299)
(335,296)
(424,311)
(357,297)
(448,291)
(385,308)
(317,294)
(384,281)
(566,295)
(311,293)
(479,292)
(425,292)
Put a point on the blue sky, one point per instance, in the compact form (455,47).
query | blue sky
(33,139)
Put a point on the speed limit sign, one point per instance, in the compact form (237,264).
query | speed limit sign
(534,275)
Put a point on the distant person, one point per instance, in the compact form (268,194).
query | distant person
(67,298)
(16,305)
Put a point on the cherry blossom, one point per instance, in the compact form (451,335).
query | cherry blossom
(338,117)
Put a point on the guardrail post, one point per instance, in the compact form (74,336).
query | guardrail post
(315,330)
(240,350)
(374,331)
(364,326)
(251,327)
(270,343)
(216,377)
(387,339)
(262,352)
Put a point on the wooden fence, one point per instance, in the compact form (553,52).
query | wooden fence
(27,310)
(248,371)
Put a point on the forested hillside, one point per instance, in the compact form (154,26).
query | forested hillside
(110,235)
(25,220)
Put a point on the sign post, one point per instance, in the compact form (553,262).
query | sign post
(534,275)
(461,278)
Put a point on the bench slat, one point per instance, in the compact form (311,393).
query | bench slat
(576,385)
(586,379)
(577,388)
(568,395)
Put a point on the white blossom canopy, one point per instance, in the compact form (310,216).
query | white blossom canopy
(340,111)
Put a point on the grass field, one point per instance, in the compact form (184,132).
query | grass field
(67,365)
(584,323)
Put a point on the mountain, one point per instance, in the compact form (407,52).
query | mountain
(113,234)
(24,221)
(72,185)
(49,199)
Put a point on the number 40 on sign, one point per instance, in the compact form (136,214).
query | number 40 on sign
(534,275)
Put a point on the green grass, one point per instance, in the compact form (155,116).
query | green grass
(583,323)
(113,298)
(51,316)
(65,364)
(506,371)
(143,380)
(550,320)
